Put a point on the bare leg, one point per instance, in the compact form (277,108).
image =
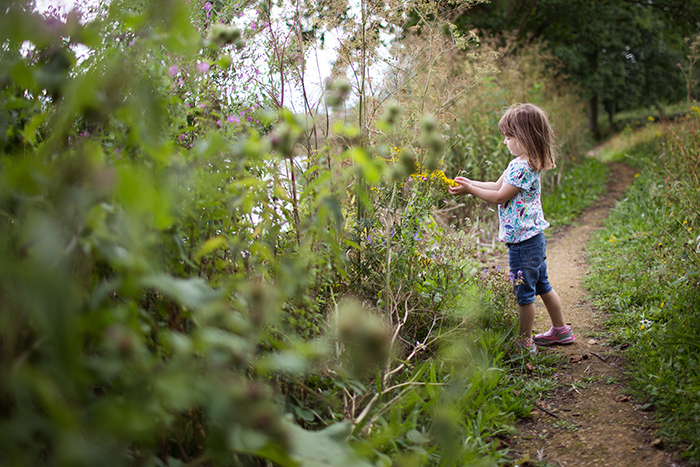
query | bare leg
(526,319)
(553,305)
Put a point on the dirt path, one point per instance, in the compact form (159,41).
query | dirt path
(588,420)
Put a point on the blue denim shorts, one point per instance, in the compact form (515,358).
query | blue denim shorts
(529,268)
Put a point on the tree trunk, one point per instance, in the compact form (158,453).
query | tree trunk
(593,116)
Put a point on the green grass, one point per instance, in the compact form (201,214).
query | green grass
(580,187)
(639,117)
(645,266)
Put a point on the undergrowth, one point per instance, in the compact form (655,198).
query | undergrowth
(579,187)
(645,274)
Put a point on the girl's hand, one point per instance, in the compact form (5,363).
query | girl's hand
(462,189)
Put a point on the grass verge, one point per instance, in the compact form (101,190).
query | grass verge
(645,268)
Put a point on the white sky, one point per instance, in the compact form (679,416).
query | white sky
(42,5)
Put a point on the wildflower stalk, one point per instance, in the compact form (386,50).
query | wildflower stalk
(387,275)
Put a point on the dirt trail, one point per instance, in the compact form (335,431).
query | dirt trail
(588,420)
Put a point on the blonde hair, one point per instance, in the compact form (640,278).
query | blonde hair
(528,124)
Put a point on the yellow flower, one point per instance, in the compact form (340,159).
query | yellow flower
(438,175)
(443,178)
(650,118)
(636,175)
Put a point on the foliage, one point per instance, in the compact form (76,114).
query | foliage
(194,274)
(623,67)
(646,266)
(579,188)
(186,277)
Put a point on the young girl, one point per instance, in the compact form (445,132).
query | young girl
(530,140)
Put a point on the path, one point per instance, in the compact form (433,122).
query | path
(588,420)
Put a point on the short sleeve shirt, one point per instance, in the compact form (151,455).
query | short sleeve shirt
(521,217)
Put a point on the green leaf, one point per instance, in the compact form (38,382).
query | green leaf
(328,447)
(192,293)
(370,171)
(209,246)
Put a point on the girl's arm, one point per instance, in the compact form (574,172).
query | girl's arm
(486,185)
(491,192)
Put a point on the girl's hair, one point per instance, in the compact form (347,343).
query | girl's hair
(529,125)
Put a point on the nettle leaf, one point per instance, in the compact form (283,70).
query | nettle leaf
(192,293)
(139,192)
(324,448)
(369,168)
(209,246)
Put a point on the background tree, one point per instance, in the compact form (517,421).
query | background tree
(620,53)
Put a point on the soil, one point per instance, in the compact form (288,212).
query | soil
(588,420)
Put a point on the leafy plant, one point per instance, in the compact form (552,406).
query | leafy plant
(645,273)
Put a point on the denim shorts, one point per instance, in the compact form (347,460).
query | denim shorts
(529,269)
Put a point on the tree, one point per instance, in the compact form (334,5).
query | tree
(620,53)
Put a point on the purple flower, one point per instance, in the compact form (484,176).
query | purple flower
(182,136)
(172,71)
(207,6)
(202,67)
(231,119)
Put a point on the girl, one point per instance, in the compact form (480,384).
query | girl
(530,140)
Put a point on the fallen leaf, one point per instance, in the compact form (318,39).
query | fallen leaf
(576,358)
(622,398)
(657,442)
(592,341)
(529,366)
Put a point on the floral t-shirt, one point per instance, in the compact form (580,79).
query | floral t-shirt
(521,217)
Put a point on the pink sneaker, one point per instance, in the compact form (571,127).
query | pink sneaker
(562,335)
(526,345)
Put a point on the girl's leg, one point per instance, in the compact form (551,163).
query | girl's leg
(526,319)
(553,305)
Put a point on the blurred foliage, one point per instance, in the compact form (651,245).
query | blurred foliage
(193,274)
(646,273)
(180,286)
